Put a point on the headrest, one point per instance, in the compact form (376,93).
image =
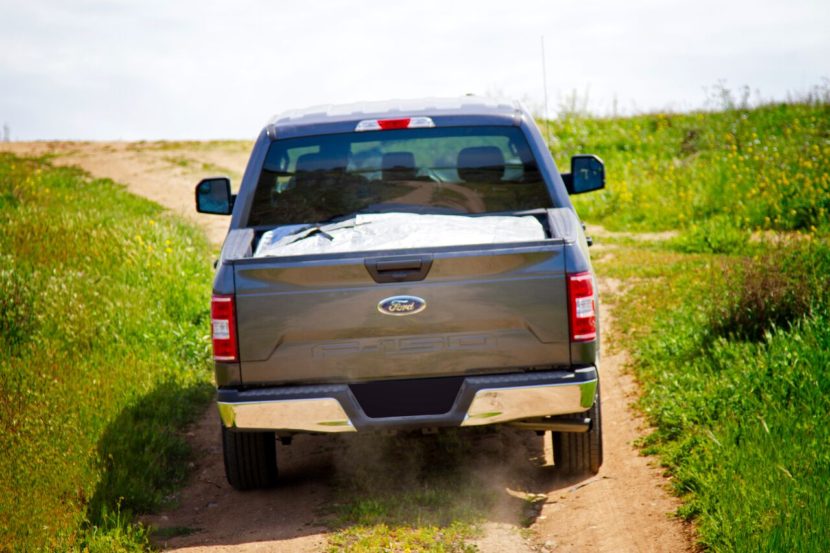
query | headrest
(320,162)
(312,162)
(481,164)
(398,166)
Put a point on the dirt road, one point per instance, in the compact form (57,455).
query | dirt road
(165,172)
(624,508)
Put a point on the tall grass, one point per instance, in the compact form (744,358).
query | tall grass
(740,418)
(766,168)
(102,356)
(728,322)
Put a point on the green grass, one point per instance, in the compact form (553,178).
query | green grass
(767,168)
(728,322)
(740,422)
(104,356)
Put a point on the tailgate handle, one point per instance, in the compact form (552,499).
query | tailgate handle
(398,269)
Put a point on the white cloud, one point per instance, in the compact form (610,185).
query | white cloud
(205,69)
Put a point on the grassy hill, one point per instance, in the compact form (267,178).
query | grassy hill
(766,168)
(103,356)
(728,320)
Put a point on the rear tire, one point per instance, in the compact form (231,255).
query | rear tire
(250,459)
(580,452)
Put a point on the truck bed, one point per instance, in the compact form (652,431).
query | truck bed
(488,309)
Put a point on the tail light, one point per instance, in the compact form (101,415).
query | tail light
(223,327)
(583,313)
(393,124)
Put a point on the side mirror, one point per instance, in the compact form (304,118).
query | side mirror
(214,196)
(587,174)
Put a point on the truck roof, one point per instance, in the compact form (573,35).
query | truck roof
(334,116)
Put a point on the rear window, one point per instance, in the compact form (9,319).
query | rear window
(453,170)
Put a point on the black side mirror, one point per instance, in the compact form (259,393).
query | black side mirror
(214,196)
(587,174)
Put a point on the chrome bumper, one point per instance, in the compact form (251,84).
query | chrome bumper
(310,415)
(481,400)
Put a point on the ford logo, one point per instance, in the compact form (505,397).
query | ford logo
(402,305)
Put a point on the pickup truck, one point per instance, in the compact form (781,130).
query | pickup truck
(404,265)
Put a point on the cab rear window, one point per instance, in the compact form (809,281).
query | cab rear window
(453,170)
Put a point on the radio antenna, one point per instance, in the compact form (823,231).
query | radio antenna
(545,87)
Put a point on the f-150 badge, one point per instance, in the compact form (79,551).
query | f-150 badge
(402,305)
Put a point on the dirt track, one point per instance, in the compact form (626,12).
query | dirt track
(624,508)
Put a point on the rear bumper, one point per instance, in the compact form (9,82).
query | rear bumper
(481,400)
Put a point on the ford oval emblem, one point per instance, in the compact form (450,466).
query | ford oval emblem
(402,305)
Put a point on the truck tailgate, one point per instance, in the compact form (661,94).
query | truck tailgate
(306,320)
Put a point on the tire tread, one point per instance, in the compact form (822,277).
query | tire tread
(580,452)
(250,459)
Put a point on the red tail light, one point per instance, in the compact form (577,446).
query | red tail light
(387,124)
(223,327)
(583,313)
(393,124)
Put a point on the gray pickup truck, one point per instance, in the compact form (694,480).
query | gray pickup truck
(404,265)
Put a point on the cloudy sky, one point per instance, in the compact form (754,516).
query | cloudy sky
(90,69)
